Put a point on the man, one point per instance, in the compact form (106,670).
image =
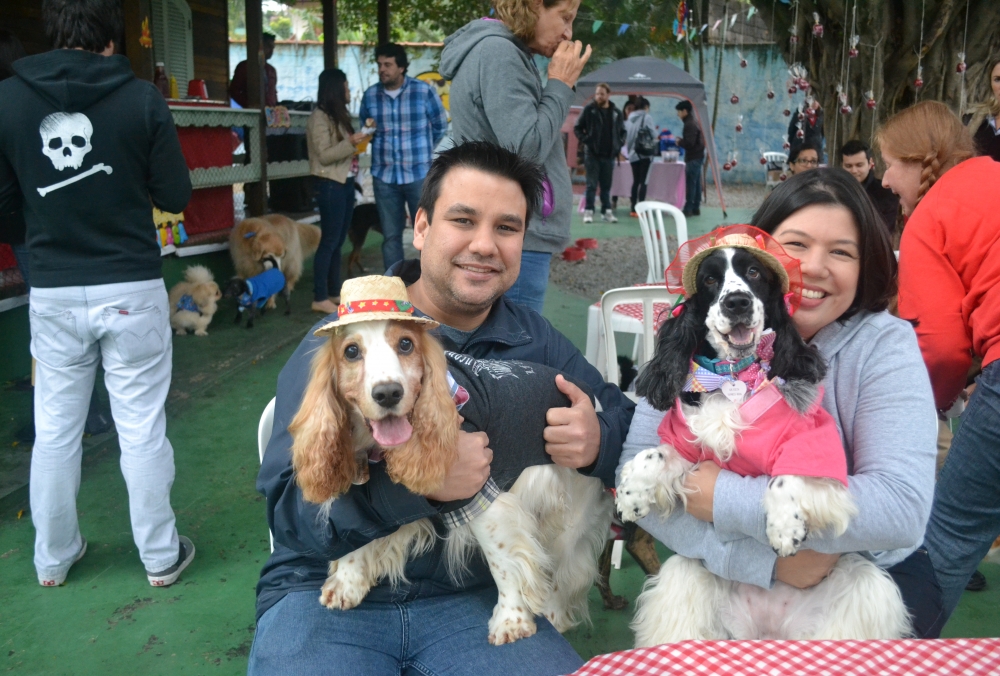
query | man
(856,158)
(238,87)
(803,158)
(76,124)
(601,130)
(409,123)
(469,228)
(693,143)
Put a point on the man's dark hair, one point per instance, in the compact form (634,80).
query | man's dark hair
(391,49)
(853,147)
(83,24)
(269,37)
(835,187)
(11,50)
(684,105)
(491,159)
(796,150)
(641,103)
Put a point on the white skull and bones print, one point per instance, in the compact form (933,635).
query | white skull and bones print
(66,139)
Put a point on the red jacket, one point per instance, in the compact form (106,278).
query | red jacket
(949,274)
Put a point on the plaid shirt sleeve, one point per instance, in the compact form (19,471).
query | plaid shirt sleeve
(438,116)
(482,500)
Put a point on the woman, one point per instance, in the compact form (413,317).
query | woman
(638,119)
(876,389)
(497,95)
(949,274)
(984,123)
(332,146)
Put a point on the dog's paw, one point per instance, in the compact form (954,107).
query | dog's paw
(344,589)
(786,520)
(181,332)
(509,624)
(637,490)
(201,332)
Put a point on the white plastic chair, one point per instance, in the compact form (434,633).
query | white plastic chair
(264,436)
(775,161)
(654,235)
(655,300)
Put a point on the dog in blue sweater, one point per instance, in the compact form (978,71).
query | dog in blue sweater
(253,293)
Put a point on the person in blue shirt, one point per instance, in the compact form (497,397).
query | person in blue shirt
(409,122)
(470,227)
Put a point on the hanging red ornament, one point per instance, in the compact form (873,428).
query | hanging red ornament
(739,124)
(734,99)
(853,51)
(792,90)
(743,63)
(739,128)
(763,160)
(794,39)
(871,104)
(817,26)
(918,83)
(845,110)
(786,112)
(770,93)
(733,163)
(800,134)
(803,84)
(960,68)
(786,145)
(727,166)
(782,177)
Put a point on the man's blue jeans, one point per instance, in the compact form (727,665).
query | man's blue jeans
(390,198)
(529,289)
(692,178)
(965,519)
(426,637)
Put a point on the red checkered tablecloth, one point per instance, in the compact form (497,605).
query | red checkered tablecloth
(951,657)
(634,310)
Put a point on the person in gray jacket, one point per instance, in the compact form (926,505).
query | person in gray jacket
(877,390)
(497,95)
(640,154)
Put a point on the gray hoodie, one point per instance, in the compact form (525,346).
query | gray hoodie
(497,95)
(879,394)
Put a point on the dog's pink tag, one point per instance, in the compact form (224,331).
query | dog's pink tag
(734,390)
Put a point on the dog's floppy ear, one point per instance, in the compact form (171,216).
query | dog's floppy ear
(421,463)
(793,359)
(323,447)
(662,378)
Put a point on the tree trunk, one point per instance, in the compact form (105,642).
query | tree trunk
(890,70)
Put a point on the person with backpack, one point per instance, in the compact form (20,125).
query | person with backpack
(642,144)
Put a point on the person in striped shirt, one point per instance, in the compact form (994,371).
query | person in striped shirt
(409,122)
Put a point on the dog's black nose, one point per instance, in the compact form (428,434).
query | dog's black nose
(737,302)
(387,395)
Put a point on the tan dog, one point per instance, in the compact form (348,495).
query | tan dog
(193,301)
(274,236)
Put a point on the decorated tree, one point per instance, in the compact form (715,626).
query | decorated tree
(868,59)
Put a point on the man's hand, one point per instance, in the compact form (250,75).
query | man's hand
(700,483)
(805,569)
(573,436)
(567,63)
(470,470)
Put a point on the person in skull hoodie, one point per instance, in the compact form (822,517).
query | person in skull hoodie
(86,151)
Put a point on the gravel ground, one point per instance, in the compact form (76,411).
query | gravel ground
(616,262)
(738,195)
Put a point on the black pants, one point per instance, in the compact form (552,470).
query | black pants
(639,171)
(600,172)
(915,578)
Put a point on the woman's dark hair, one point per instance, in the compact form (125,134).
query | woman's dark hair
(835,187)
(11,50)
(331,99)
(491,159)
(83,24)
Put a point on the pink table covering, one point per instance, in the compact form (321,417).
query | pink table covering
(666,183)
(951,657)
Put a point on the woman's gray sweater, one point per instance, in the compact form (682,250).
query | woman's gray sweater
(879,394)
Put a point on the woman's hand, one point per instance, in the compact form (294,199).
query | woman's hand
(700,484)
(568,62)
(357,138)
(805,569)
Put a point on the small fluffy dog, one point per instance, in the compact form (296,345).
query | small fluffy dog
(751,405)
(193,301)
(379,389)
(273,236)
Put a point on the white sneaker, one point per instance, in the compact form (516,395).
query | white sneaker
(61,579)
(167,577)
(588,216)
(609,216)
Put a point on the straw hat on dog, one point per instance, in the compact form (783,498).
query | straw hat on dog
(371,299)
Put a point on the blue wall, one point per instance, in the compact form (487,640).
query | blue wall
(764,126)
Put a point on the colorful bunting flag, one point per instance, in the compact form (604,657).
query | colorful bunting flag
(597,25)
(622,29)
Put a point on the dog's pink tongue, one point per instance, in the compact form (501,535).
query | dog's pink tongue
(391,431)
(740,335)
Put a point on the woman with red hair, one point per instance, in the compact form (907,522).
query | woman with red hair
(949,288)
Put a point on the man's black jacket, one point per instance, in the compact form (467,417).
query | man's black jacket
(594,134)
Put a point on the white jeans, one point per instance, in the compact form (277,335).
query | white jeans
(126,327)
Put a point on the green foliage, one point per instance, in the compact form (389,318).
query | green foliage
(281,26)
(650,31)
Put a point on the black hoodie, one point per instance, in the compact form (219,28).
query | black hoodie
(72,114)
